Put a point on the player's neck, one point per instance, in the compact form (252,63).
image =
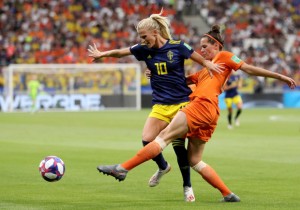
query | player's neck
(160,43)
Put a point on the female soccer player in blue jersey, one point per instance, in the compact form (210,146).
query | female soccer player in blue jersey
(164,57)
(232,96)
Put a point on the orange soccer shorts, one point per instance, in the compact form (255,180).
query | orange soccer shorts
(202,117)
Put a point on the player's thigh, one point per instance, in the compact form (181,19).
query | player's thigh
(195,150)
(237,100)
(166,112)
(160,116)
(228,102)
(152,128)
(176,129)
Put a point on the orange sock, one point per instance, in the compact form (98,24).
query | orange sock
(211,176)
(148,152)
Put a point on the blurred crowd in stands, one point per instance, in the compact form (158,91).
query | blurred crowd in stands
(264,33)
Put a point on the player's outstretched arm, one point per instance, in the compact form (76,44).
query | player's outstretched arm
(257,71)
(117,53)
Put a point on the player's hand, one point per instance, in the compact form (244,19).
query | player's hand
(291,83)
(210,66)
(94,52)
(148,73)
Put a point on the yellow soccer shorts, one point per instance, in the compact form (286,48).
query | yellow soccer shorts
(234,100)
(166,112)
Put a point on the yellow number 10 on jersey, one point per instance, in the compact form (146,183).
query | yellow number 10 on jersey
(161,68)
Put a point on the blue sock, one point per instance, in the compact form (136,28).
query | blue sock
(159,159)
(182,160)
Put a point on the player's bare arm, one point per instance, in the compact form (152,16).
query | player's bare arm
(117,53)
(257,71)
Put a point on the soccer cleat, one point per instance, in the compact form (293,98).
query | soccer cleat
(229,127)
(231,198)
(154,180)
(113,170)
(188,194)
(237,123)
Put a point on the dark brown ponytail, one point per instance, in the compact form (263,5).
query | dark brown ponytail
(214,35)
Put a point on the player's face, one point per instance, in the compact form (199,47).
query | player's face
(208,50)
(147,37)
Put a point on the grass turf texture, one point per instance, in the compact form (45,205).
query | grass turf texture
(259,161)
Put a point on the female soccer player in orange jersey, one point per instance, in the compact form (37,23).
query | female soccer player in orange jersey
(199,118)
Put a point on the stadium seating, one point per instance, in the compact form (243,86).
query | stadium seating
(60,31)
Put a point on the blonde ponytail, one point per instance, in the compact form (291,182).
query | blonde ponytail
(158,22)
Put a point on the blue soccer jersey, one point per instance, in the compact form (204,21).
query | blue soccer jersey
(233,91)
(167,70)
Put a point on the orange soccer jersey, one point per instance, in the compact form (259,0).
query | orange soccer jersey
(203,110)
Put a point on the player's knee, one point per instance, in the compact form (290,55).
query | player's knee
(148,137)
(199,166)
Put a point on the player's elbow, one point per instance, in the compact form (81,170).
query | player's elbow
(249,69)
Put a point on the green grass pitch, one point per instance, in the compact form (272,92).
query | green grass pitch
(259,161)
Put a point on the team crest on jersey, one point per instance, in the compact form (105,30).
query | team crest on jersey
(170,55)
(235,59)
(149,57)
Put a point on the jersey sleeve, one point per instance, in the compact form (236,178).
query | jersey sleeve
(137,51)
(232,60)
(186,50)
